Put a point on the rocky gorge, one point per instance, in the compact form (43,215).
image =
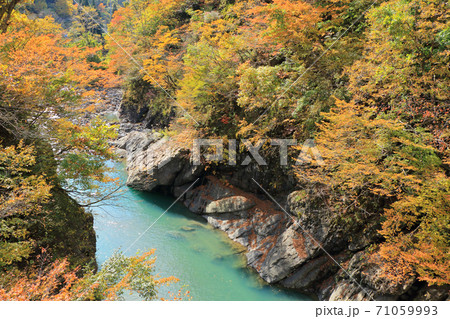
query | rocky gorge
(296,244)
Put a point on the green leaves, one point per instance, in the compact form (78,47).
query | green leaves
(133,274)
(21,198)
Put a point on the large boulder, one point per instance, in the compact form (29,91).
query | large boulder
(348,290)
(363,268)
(229,205)
(188,173)
(156,164)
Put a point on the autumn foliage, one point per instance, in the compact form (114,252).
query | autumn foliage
(57,281)
(374,158)
(44,85)
(368,81)
(22,195)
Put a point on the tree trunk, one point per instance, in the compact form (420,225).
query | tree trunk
(6,9)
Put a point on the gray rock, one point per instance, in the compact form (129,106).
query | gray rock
(241,232)
(229,204)
(253,256)
(120,153)
(267,226)
(315,217)
(348,291)
(188,174)
(121,143)
(159,164)
(180,190)
(137,140)
(370,275)
(290,251)
(310,275)
(198,198)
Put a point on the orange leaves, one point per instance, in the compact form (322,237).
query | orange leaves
(38,69)
(394,266)
(162,65)
(121,43)
(377,158)
(288,20)
(180,295)
(423,252)
(143,30)
(57,281)
(164,38)
(119,16)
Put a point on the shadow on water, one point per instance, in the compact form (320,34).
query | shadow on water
(207,263)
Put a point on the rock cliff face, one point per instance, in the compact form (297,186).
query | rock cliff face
(300,246)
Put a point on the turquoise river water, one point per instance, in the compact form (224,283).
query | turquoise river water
(207,263)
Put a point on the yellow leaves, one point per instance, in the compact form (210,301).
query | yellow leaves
(17,159)
(21,199)
(252,131)
(162,64)
(92,138)
(164,38)
(21,22)
(39,68)
(405,63)
(24,190)
(425,217)
(378,158)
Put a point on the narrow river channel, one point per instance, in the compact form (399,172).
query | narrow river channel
(207,263)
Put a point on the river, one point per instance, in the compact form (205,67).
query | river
(207,263)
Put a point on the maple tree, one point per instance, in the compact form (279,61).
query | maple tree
(55,84)
(47,83)
(43,81)
(162,66)
(6,10)
(368,80)
(373,158)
